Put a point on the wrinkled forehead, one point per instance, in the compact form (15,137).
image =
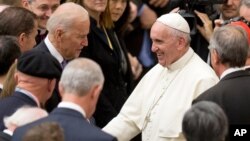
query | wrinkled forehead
(159,27)
(159,30)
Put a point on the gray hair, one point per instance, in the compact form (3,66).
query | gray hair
(24,115)
(205,121)
(80,75)
(245,2)
(65,16)
(231,44)
(178,33)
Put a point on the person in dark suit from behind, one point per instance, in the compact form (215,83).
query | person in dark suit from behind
(22,116)
(9,52)
(229,49)
(47,131)
(35,82)
(205,121)
(80,86)
(68,27)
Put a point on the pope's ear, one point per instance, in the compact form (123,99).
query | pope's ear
(61,89)
(181,43)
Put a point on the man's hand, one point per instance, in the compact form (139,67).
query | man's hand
(207,29)
(135,66)
(158,3)
(148,17)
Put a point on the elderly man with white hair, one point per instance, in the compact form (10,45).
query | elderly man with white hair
(158,103)
(22,116)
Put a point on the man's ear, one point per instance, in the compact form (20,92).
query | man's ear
(21,40)
(61,89)
(181,43)
(58,34)
(25,4)
(95,91)
(215,56)
(51,84)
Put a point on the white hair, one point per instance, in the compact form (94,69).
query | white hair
(66,15)
(24,115)
(80,75)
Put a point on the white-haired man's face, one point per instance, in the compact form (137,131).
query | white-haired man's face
(74,40)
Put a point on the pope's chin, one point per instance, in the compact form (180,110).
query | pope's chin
(162,62)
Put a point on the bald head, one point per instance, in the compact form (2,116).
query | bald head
(65,15)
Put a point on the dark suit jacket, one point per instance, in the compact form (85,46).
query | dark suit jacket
(75,127)
(232,93)
(10,104)
(4,137)
(55,98)
(117,84)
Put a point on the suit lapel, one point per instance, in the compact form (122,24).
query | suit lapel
(42,46)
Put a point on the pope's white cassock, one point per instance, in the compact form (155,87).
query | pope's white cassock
(158,103)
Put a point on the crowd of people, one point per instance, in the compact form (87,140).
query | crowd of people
(107,70)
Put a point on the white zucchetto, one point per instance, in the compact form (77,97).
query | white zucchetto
(176,21)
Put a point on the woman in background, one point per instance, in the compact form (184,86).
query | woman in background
(122,15)
(105,49)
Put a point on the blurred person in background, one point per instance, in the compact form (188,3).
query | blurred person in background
(20,117)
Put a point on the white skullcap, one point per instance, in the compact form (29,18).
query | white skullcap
(176,21)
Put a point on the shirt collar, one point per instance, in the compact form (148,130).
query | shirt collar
(231,70)
(29,94)
(53,50)
(182,61)
(247,67)
(7,131)
(73,106)
(1,86)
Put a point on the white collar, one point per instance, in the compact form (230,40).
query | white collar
(73,106)
(231,70)
(53,50)
(29,94)
(182,61)
(7,131)
(246,67)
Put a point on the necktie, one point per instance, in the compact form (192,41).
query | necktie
(64,63)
